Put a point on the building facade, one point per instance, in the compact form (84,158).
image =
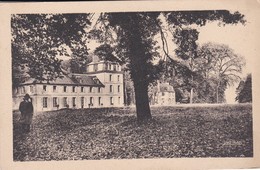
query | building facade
(164,95)
(100,86)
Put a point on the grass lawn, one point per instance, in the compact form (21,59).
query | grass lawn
(216,131)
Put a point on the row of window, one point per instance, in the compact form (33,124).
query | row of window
(55,102)
(23,91)
(111,78)
(106,66)
(74,89)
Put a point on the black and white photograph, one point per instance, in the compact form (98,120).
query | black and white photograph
(122,85)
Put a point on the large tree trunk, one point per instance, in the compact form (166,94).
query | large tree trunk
(138,52)
(142,102)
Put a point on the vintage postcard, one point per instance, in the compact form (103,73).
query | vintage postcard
(130,85)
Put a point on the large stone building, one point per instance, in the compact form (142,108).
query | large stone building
(100,86)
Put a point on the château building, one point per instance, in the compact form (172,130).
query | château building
(163,95)
(100,86)
(166,94)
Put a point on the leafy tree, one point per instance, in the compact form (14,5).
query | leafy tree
(79,61)
(221,68)
(244,90)
(178,95)
(37,40)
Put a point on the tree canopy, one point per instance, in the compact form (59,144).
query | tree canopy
(37,40)
(244,90)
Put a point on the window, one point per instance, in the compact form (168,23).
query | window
(45,102)
(90,89)
(163,94)
(99,101)
(80,81)
(99,90)
(15,90)
(105,66)
(118,100)
(55,102)
(115,67)
(65,103)
(44,88)
(118,88)
(95,67)
(31,89)
(74,101)
(82,89)
(73,89)
(110,77)
(22,90)
(54,88)
(109,66)
(64,88)
(111,101)
(111,88)
(95,79)
(91,101)
(118,78)
(82,102)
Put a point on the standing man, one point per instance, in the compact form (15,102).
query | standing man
(26,109)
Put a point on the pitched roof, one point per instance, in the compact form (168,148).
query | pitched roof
(75,79)
(82,79)
(165,87)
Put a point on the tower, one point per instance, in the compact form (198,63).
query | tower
(111,75)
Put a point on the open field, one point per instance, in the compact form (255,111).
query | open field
(214,131)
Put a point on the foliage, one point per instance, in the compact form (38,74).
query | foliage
(187,18)
(106,52)
(244,90)
(37,40)
(129,89)
(222,67)
(214,69)
(78,63)
(87,134)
